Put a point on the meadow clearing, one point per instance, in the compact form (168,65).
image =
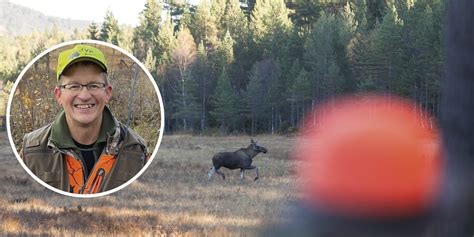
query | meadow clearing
(172,198)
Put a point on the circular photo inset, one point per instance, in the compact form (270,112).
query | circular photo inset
(85,118)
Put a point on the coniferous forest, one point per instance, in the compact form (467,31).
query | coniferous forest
(258,66)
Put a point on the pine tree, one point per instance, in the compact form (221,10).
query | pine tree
(93,31)
(301,93)
(361,16)
(304,14)
(218,8)
(110,31)
(347,26)
(145,34)
(126,39)
(375,12)
(424,67)
(389,54)
(364,65)
(183,56)
(260,95)
(164,46)
(270,24)
(321,58)
(245,55)
(204,26)
(225,52)
(254,99)
(202,75)
(234,20)
(225,104)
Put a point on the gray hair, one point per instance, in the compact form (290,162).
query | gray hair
(86,63)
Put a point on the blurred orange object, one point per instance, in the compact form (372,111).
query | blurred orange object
(367,156)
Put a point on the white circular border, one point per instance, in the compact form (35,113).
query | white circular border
(12,144)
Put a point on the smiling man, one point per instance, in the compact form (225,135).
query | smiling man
(85,149)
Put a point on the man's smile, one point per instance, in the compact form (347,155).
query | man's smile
(84,106)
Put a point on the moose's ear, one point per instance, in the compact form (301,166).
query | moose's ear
(251,140)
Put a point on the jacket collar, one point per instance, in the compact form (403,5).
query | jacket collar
(61,137)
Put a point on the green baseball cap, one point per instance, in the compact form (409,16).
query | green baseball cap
(80,53)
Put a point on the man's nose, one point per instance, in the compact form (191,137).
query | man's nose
(84,93)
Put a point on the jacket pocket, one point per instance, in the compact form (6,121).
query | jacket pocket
(51,178)
(125,169)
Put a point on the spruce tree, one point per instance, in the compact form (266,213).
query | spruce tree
(110,31)
(204,25)
(93,31)
(225,104)
(202,75)
(145,34)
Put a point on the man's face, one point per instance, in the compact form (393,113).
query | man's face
(83,107)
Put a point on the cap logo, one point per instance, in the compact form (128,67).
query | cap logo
(74,55)
(86,51)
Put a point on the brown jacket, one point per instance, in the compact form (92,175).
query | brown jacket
(47,160)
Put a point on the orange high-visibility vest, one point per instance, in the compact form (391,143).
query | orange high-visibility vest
(77,181)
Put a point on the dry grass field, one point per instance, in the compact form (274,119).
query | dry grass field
(172,198)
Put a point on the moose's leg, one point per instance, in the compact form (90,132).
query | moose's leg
(222,174)
(258,176)
(256,170)
(242,173)
(211,172)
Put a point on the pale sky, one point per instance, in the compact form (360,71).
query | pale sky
(126,11)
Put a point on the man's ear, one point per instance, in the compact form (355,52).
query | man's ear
(57,95)
(108,92)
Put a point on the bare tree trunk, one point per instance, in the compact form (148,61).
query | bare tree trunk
(273,121)
(292,114)
(183,97)
(203,106)
(253,124)
(426,98)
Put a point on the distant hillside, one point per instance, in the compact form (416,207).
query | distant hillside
(19,20)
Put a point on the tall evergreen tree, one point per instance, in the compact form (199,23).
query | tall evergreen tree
(234,20)
(304,14)
(270,24)
(321,58)
(301,93)
(202,75)
(260,95)
(218,8)
(225,104)
(145,34)
(389,53)
(375,12)
(361,16)
(424,56)
(183,56)
(204,25)
(347,26)
(164,46)
(225,52)
(93,31)
(110,31)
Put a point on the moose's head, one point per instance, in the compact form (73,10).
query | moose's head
(257,148)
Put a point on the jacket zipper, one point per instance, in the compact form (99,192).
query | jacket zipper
(84,171)
(97,180)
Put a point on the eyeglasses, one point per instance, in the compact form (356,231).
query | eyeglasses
(91,87)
